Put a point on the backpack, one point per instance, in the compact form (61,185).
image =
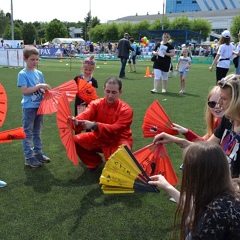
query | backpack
(138,50)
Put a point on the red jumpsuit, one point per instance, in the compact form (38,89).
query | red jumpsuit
(113,123)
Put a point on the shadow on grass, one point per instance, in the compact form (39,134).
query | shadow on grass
(174,94)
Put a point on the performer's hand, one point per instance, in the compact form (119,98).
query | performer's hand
(73,121)
(86,124)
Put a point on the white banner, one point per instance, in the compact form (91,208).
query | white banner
(12,58)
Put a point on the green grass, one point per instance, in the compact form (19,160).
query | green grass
(63,201)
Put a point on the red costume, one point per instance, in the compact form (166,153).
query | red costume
(113,123)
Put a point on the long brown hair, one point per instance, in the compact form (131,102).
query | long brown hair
(205,176)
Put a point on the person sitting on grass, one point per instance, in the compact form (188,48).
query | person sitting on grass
(110,119)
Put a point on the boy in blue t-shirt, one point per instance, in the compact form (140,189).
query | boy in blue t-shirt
(32,84)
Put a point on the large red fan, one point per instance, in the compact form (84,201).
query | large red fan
(12,134)
(3,104)
(86,91)
(154,160)
(65,128)
(51,97)
(123,174)
(156,121)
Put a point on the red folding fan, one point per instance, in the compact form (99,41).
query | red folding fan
(154,160)
(86,91)
(12,134)
(51,97)
(156,121)
(3,104)
(66,129)
(70,88)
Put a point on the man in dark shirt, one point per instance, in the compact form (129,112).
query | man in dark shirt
(123,53)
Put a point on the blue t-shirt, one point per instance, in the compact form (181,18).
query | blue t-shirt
(30,79)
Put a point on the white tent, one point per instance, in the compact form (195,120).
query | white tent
(67,40)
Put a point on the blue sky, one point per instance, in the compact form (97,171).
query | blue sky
(76,10)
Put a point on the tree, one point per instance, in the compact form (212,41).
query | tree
(145,24)
(8,33)
(55,29)
(4,21)
(29,33)
(180,23)
(235,29)
(201,26)
(98,32)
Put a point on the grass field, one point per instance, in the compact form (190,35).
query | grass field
(63,201)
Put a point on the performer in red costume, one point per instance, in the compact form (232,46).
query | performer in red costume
(109,118)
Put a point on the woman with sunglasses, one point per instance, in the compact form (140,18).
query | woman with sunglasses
(208,201)
(213,117)
(227,133)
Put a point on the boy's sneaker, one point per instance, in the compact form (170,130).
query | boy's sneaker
(3,184)
(164,90)
(42,158)
(32,162)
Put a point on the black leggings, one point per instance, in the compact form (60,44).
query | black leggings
(221,73)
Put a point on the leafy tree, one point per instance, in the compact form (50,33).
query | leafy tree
(145,24)
(201,26)
(235,29)
(98,32)
(111,32)
(8,33)
(55,29)
(29,33)
(95,22)
(4,21)
(156,25)
(180,23)
(126,27)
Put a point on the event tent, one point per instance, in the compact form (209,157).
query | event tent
(67,40)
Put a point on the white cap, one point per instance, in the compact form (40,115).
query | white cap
(226,34)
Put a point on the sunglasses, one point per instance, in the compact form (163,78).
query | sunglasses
(212,104)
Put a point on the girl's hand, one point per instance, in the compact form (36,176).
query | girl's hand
(159,181)
(179,128)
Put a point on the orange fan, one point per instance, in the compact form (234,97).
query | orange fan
(51,97)
(65,128)
(154,160)
(69,87)
(156,121)
(3,104)
(12,134)
(86,91)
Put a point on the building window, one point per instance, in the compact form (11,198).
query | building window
(179,2)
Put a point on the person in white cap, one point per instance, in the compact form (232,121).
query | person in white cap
(237,52)
(222,59)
